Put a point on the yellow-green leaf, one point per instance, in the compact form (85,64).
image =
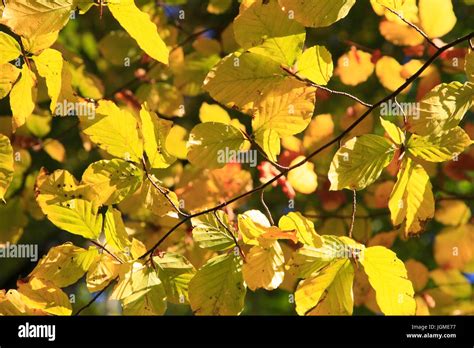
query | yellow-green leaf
(8,75)
(209,232)
(140,27)
(213,145)
(50,66)
(264,267)
(395,133)
(321,13)
(218,288)
(439,147)
(437,17)
(265,29)
(411,200)
(6,165)
(316,65)
(110,181)
(442,108)
(155,131)
(304,228)
(388,276)
(116,131)
(9,48)
(359,162)
(334,281)
(269,142)
(469,66)
(23,97)
(114,230)
(65,264)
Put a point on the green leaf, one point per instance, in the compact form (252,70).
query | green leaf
(218,288)
(395,133)
(114,230)
(359,162)
(411,200)
(304,228)
(439,147)
(155,131)
(23,97)
(65,264)
(175,272)
(111,181)
(116,131)
(140,27)
(316,65)
(209,233)
(327,292)
(30,18)
(388,276)
(321,13)
(50,66)
(9,48)
(214,144)
(265,29)
(442,108)
(6,165)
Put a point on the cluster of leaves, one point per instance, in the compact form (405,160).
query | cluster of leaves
(131,208)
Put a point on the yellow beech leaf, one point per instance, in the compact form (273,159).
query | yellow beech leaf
(23,97)
(252,224)
(103,270)
(116,131)
(176,142)
(264,267)
(30,18)
(265,29)
(359,162)
(318,13)
(11,303)
(213,113)
(8,75)
(214,144)
(412,198)
(270,143)
(110,181)
(44,295)
(38,43)
(6,165)
(388,71)
(140,27)
(452,213)
(114,230)
(140,290)
(65,264)
(303,179)
(10,48)
(61,200)
(439,147)
(316,65)
(400,34)
(452,283)
(155,201)
(388,276)
(212,232)
(155,131)
(50,65)
(437,17)
(442,108)
(218,288)
(304,228)
(354,67)
(332,286)
(395,133)
(454,247)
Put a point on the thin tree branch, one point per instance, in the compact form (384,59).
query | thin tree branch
(265,206)
(95,297)
(421,32)
(231,235)
(354,209)
(407,83)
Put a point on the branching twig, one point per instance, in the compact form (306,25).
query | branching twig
(354,209)
(95,297)
(421,32)
(265,206)
(407,83)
